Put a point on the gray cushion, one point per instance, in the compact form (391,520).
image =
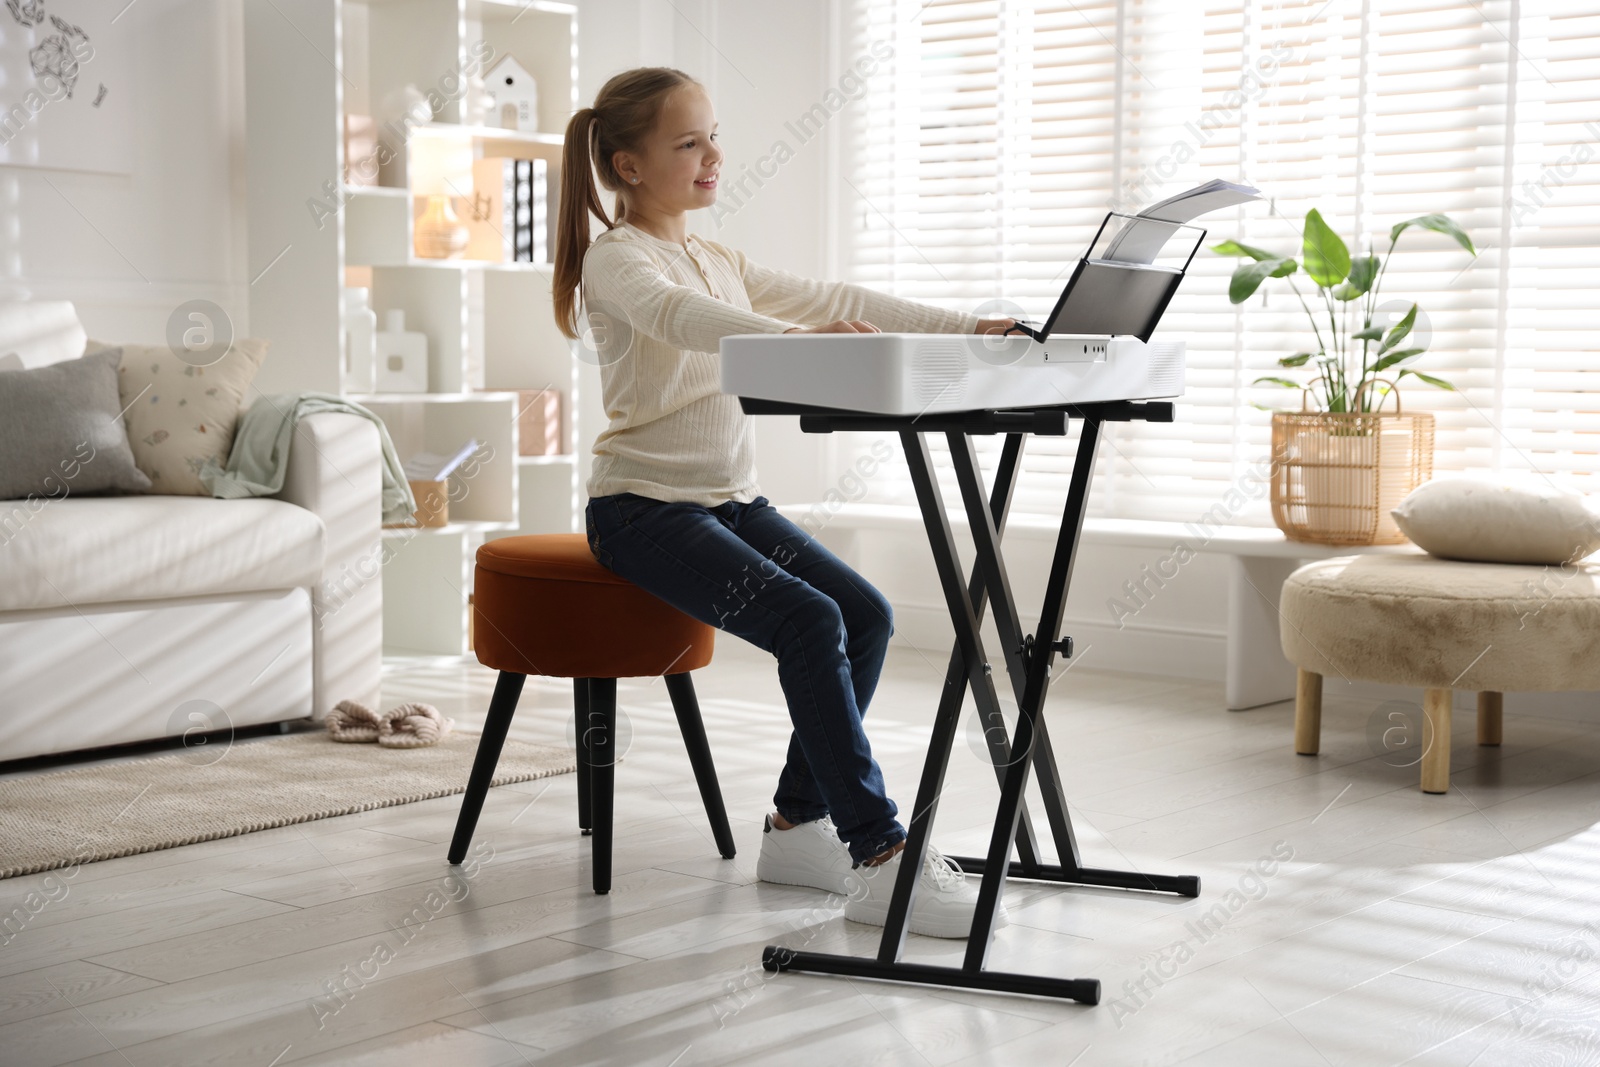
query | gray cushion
(62,433)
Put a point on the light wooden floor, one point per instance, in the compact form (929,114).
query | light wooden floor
(1404,929)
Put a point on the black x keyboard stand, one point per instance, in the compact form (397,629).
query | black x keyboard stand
(1027,662)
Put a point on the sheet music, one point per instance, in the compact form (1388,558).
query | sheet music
(1142,238)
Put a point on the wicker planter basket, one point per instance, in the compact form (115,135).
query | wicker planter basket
(1336,476)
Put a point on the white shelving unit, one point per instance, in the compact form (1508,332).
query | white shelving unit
(490,325)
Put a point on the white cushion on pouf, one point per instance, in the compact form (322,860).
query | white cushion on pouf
(1442,624)
(1499,520)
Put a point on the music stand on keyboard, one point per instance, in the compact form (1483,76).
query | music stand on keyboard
(1027,660)
(1108,296)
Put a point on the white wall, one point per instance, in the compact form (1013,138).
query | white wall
(129,249)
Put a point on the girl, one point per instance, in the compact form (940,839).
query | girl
(673,499)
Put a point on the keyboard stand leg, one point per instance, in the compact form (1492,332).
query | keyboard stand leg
(994,733)
(1032,663)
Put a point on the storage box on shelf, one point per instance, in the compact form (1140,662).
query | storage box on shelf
(490,325)
(539,423)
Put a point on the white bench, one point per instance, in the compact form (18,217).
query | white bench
(1259,559)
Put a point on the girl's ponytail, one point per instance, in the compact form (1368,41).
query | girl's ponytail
(623,116)
(578,198)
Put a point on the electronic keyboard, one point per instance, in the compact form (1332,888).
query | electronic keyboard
(1107,312)
(919,373)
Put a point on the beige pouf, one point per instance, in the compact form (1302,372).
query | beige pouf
(1440,625)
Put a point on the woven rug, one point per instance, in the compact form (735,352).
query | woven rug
(117,809)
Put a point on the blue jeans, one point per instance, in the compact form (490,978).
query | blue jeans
(749,571)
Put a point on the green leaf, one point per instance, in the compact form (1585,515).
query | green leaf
(1347,292)
(1286,383)
(1371,333)
(1395,357)
(1438,224)
(1247,277)
(1289,267)
(1401,328)
(1234,248)
(1326,257)
(1296,360)
(1363,272)
(1430,379)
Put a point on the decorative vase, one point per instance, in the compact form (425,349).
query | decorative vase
(440,233)
(361,329)
(1336,476)
(477,103)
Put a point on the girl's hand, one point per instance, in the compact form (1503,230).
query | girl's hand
(838,326)
(994,325)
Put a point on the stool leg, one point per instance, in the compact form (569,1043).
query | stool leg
(693,728)
(1436,757)
(507,688)
(601,729)
(1491,705)
(1307,712)
(580,705)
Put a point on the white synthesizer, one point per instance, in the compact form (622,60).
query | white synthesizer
(918,373)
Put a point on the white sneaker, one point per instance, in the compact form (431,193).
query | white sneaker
(808,853)
(944,903)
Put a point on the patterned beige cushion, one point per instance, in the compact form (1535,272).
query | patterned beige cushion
(1443,624)
(180,415)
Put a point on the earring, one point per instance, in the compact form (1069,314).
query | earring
(635,181)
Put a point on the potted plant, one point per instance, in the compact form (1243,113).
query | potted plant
(1340,463)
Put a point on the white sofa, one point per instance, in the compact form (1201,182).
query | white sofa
(137,617)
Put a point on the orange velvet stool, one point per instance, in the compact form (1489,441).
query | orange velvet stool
(542,604)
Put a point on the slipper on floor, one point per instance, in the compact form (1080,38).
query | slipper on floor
(353,721)
(412,726)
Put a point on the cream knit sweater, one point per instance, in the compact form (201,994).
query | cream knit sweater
(660,312)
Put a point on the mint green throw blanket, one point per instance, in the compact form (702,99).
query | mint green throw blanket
(260,456)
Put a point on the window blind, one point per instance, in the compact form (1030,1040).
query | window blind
(991,143)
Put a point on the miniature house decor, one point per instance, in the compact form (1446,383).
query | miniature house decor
(516,97)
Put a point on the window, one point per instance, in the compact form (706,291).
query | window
(993,140)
